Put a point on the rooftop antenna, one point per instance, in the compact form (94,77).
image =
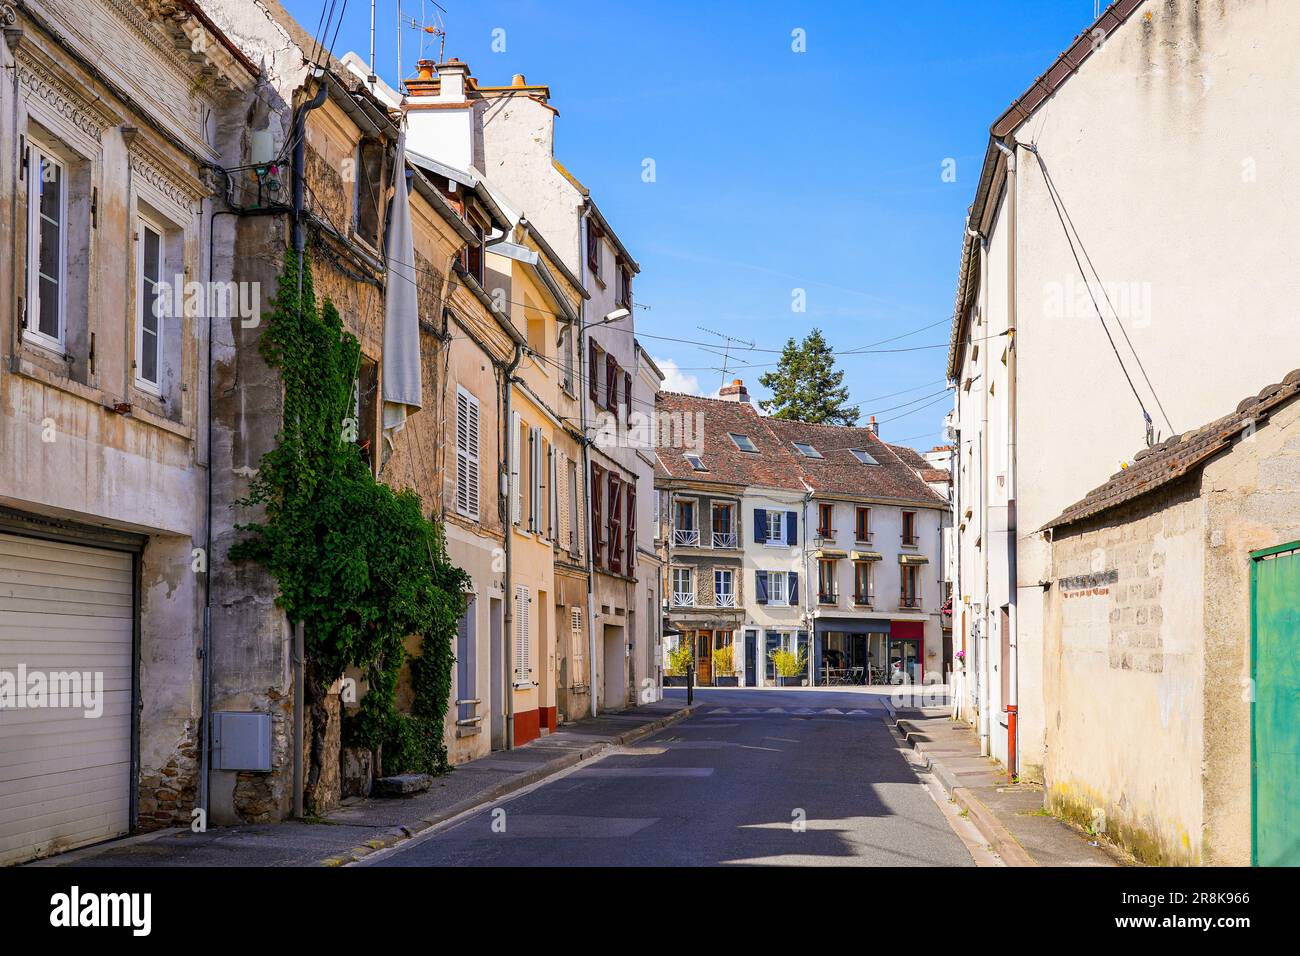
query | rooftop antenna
(426,28)
(730,340)
(371,79)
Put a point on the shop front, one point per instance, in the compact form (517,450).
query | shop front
(869,651)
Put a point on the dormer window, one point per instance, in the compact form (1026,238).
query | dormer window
(807,450)
(743,442)
(862,455)
(695,461)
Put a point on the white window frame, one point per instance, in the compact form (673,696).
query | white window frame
(772,578)
(689,593)
(36,151)
(724,596)
(468,466)
(779,538)
(145,385)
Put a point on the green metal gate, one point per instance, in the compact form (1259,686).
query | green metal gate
(1275,710)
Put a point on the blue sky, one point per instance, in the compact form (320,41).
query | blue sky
(774,170)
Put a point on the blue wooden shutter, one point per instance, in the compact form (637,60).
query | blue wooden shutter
(760,525)
(794,588)
(791,528)
(760,588)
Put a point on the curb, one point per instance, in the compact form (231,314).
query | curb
(998,836)
(401,834)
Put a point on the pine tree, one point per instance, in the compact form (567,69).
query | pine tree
(806,387)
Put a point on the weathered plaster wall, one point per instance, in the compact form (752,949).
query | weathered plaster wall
(1126,679)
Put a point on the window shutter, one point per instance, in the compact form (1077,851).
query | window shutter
(791,528)
(562,516)
(611,383)
(597,529)
(578,643)
(760,526)
(631,528)
(615,518)
(627,391)
(552,497)
(593,371)
(793,590)
(465,669)
(467,454)
(516,500)
(760,586)
(523,644)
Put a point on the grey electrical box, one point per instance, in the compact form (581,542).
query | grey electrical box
(241,741)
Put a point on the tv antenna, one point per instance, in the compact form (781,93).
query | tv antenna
(429,30)
(730,342)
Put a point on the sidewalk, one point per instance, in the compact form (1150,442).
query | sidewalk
(1011,817)
(362,826)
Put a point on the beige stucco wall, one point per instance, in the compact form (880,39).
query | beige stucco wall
(1125,717)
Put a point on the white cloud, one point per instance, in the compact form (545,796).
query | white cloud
(677,381)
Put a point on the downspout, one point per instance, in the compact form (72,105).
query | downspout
(807,591)
(586,465)
(299,247)
(1013,702)
(982,676)
(508,650)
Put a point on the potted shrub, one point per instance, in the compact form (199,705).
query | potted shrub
(789,666)
(724,668)
(679,662)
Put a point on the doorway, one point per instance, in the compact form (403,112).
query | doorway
(751,658)
(703,658)
(615,661)
(1275,710)
(496,654)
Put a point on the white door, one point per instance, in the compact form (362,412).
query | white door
(65,773)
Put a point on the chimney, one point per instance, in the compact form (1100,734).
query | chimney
(873,427)
(735,392)
(518,81)
(439,113)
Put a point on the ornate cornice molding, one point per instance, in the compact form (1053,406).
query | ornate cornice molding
(42,80)
(161,171)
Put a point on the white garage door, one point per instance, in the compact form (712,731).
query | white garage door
(65,774)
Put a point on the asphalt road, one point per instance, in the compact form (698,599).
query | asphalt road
(754,777)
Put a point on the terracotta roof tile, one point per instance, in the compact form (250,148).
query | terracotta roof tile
(1179,455)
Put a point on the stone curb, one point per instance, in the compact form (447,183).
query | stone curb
(998,836)
(526,779)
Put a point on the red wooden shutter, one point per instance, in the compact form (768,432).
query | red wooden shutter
(593,371)
(615,523)
(627,391)
(597,528)
(631,528)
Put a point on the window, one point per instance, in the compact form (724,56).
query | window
(370,192)
(743,442)
(523,636)
(685,532)
(615,523)
(467,460)
(824,528)
(695,461)
(910,595)
(724,590)
(47,211)
(776,527)
(724,531)
(472,257)
(149,326)
(611,383)
(862,582)
(466,669)
(862,525)
(516,494)
(826,590)
(597,525)
(575,514)
(683,591)
(624,286)
(863,456)
(807,450)
(565,347)
(776,588)
(593,372)
(367,409)
(577,644)
(630,530)
(910,536)
(593,248)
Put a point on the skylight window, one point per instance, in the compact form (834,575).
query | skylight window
(743,442)
(695,462)
(807,450)
(861,455)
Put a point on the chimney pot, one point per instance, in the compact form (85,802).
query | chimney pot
(518,80)
(872,426)
(424,69)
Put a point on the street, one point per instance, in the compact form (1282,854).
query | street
(753,777)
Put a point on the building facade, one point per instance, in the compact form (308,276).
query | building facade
(1044,410)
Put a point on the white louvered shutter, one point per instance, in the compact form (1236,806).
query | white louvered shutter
(516,498)
(578,643)
(523,643)
(467,454)
(552,497)
(562,517)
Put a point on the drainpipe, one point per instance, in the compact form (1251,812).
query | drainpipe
(586,464)
(809,622)
(507,655)
(299,247)
(1013,702)
(982,675)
